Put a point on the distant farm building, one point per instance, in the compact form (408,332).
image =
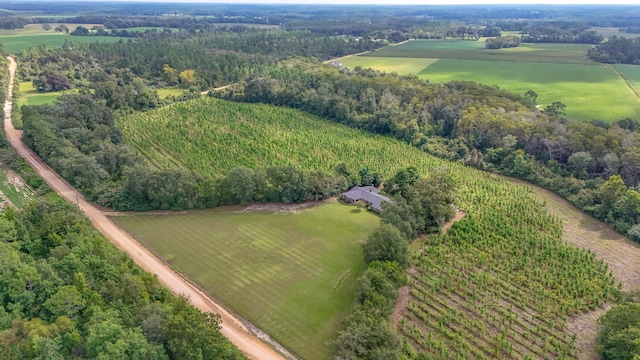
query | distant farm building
(369,194)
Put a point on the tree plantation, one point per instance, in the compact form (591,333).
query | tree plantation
(268,113)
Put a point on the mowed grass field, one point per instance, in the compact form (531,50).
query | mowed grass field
(30,96)
(292,274)
(556,72)
(475,293)
(32,35)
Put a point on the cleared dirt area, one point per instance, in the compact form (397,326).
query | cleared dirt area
(619,252)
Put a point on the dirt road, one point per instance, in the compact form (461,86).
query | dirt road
(364,52)
(232,328)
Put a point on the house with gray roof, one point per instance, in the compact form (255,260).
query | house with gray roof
(369,194)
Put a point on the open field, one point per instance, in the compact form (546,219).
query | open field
(632,73)
(556,72)
(388,64)
(291,274)
(30,96)
(36,29)
(13,189)
(590,92)
(474,50)
(164,92)
(502,283)
(145,28)
(15,43)
(608,32)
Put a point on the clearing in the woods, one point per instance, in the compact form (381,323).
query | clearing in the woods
(292,273)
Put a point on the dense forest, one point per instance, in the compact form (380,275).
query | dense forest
(617,50)
(68,293)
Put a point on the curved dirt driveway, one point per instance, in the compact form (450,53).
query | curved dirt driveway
(231,327)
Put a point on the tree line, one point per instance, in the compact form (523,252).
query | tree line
(78,138)
(501,42)
(479,125)
(617,50)
(420,206)
(65,292)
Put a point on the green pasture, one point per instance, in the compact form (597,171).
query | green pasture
(30,96)
(13,44)
(631,73)
(291,274)
(398,65)
(36,29)
(590,92)
(165,92)
(474,50)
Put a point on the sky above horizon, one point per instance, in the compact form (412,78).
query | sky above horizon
(419,2)
(405,2)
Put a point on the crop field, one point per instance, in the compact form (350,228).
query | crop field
(13,44)
(145,28)
(36,29)
(212,136)
(631,73)
(389,64)
(608,32)
(14,190)
(502,282)
(590,92)
(292,274)
(474,50)
(556,72)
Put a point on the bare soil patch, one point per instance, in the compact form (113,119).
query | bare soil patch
(586,328)
(619,252)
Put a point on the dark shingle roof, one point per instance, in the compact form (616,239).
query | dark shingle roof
(368,194)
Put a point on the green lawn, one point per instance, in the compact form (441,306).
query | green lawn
(13,44)
(30,96)
(291,274)
(164,92)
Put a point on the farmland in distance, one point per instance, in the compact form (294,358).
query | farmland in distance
(556,72)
